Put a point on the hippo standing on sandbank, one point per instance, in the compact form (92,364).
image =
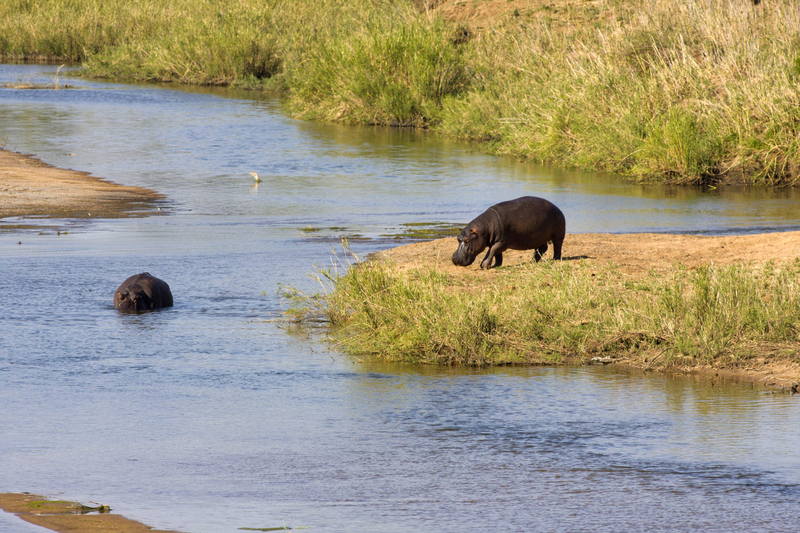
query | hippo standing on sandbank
(522,224)
(142,292)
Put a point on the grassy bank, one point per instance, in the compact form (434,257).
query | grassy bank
(556,312)
(684,92)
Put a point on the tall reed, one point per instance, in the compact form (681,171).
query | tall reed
(681,91)
(395,72)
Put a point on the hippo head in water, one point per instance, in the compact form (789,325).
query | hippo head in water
(470,244)
(133,298)
(141,293)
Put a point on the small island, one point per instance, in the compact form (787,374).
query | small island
(723,305)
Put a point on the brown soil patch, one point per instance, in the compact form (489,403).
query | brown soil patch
(29,187)
(70,517)
(635,255)
(483,13)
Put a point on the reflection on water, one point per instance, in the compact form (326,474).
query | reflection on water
(207,417)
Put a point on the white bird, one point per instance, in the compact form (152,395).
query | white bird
(258,180)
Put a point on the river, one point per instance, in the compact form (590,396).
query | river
(209,416)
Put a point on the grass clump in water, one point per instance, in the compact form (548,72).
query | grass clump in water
(559,312)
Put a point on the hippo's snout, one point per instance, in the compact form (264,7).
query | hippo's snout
(462,257)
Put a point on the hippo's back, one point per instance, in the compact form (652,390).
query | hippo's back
(531,217)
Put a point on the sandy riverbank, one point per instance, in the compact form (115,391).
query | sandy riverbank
(634,253)
(31,188)
(70,517)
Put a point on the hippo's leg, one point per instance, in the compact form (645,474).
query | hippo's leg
(498,259)
(557,248)
(495,252)
(537,255)
(487,259)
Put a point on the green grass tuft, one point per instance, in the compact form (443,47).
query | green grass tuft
(397,72)
(554,312)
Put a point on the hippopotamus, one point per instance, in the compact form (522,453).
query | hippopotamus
(141,293)
(522,224)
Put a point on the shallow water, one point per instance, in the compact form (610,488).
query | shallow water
(208,417)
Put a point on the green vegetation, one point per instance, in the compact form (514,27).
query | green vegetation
(554,312)
(425,231)
(397,73)
(683,92)
(65,507)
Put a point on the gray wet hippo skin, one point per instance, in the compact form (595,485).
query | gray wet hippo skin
(141,293)
(527,223)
